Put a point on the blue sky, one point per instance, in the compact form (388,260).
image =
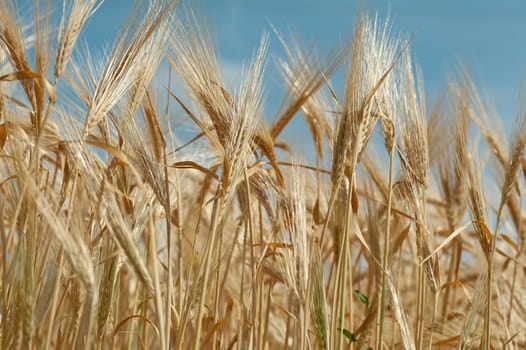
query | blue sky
(486,36)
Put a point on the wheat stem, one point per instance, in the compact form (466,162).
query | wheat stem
(385,258)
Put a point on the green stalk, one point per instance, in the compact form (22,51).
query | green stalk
(487,315)
(344,251)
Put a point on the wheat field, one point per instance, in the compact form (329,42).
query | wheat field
(404,232)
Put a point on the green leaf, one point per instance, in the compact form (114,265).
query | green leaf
(362,297)
(348,334)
